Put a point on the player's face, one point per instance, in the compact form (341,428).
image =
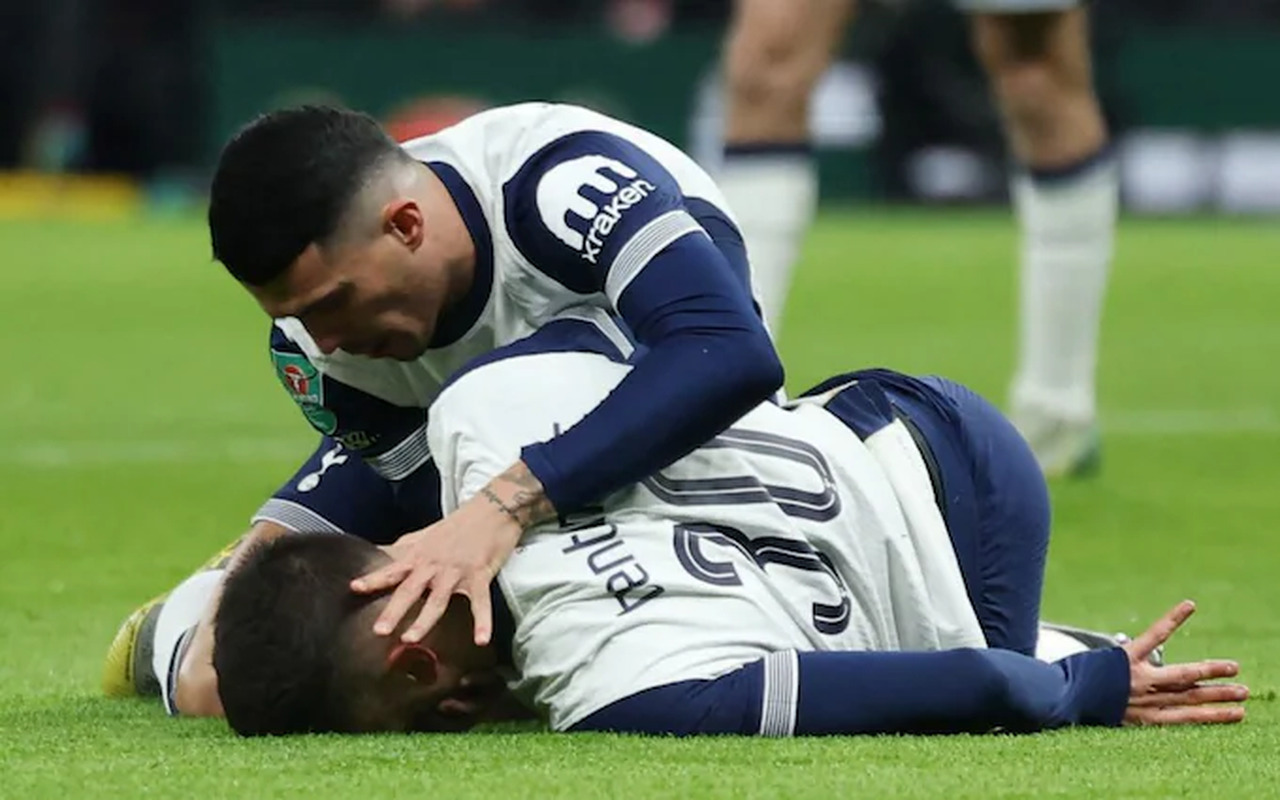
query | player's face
(445,684)
(378,297)
(460,706)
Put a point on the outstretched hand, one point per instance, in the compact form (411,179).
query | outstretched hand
(1177,694)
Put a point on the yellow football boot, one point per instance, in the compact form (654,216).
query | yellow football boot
(127,671)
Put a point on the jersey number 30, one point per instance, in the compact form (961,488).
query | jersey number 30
(690,539)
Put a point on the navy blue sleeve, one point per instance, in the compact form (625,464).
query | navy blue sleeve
(597,214)
(830,693)
(334,491)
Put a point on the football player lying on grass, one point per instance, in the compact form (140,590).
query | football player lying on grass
(296,654)
(866,559)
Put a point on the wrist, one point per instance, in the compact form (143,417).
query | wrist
(518,495)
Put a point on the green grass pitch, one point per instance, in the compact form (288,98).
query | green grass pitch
(142,425)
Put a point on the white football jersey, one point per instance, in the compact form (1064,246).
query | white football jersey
(566,207)
(785,532)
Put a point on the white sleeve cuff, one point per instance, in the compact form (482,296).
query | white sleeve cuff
(781,694)
(404,459)
(643,246)
(294,516)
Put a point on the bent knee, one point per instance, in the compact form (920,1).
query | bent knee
(778,49)
(1027,89)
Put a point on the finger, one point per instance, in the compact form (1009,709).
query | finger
(1176,677)
(1161,630)
(442,590)
(405,595)
(382,578)
(400,547)
(1185,715)
(481,610)
(1196,696)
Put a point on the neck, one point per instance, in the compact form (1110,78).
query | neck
(453,242)
(460,274)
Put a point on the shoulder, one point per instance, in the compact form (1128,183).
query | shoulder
(572,205)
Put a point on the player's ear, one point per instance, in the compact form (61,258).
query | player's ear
(417,663)
(403,219)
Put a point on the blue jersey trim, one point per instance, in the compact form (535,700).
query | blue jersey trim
(455,322)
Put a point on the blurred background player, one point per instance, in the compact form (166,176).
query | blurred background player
(1036,57)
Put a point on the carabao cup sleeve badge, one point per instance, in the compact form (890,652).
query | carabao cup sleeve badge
(305,385)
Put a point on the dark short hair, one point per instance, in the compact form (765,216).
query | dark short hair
(284,182)
(283,660)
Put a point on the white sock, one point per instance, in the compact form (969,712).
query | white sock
(1068,231)
(1054,645)
(774,196)
(178,617)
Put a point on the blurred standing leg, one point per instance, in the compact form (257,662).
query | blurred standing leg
(774,54)
(1036,56)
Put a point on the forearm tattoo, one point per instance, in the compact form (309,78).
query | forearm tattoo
(492,497)
(526,504)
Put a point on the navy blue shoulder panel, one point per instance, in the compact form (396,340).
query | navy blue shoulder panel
(456,321)
(342,491)
(576,202)
(730,704)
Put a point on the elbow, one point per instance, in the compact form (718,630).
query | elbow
(772,373)
(1018,694)
(981,697)
(762,373)
(990,687)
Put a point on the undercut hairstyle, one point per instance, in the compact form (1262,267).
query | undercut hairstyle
(285,642)
(286,180)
